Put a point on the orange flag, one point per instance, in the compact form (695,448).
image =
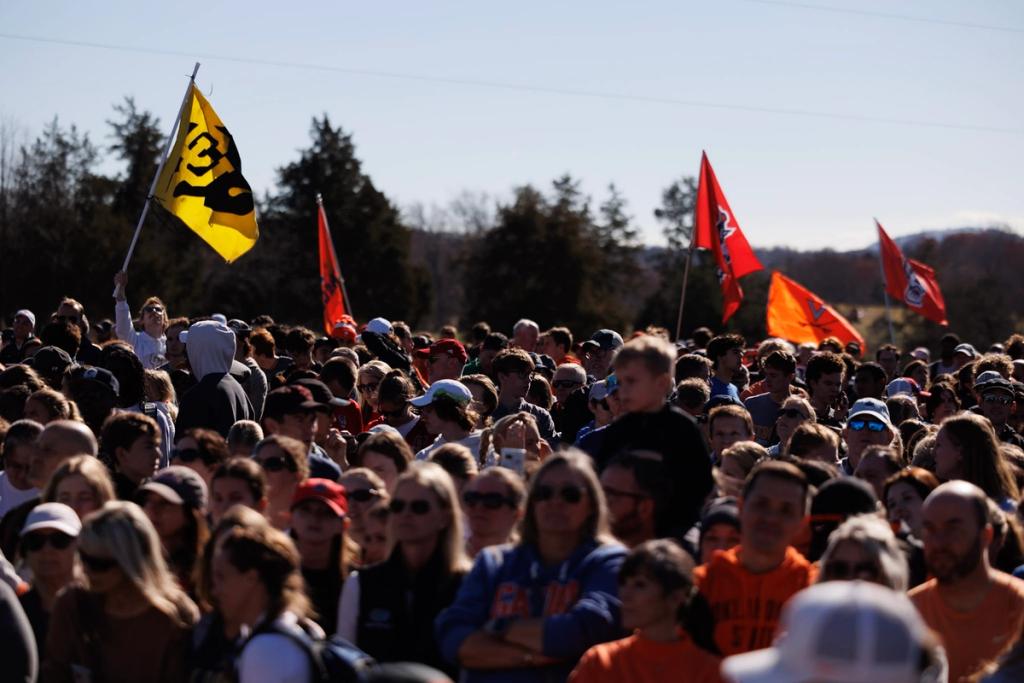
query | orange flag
(799,315)
(330,275)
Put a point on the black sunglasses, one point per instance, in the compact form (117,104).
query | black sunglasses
(153,309)
(611,492)
(993,398)
(792,412)
(96,563)
(276,463)
(569,494)
(491,501)
(565,383)
(363,495)
(416,507)
(189,455)
(34,542)
(367,388)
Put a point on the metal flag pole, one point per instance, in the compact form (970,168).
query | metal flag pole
(160,168)
(885,290)
(334,256)
(686,277)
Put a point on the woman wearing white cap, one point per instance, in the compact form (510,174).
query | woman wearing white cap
(47,546)
(445,409)
(132,621)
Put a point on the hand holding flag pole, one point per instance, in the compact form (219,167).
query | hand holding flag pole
(159,169)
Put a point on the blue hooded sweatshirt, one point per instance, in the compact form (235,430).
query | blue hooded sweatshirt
(578,600)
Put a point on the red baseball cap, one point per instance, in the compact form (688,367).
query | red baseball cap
(331,493)
(446,347)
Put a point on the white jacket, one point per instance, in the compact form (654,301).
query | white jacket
(152,352)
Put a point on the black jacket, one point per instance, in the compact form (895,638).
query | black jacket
(216,402)
(397,610)
(674,435)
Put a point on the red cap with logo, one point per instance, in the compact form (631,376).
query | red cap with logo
(331,493)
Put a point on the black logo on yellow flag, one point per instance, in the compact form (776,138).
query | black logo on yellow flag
(202,183)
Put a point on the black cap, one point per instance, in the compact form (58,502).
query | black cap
(50,361)
(100,376)
(321,392)
(289,400)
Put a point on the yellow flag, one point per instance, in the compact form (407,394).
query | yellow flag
(202,182)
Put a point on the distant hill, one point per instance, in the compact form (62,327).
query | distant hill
(978,270)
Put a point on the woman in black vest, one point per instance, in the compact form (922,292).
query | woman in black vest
(388,609)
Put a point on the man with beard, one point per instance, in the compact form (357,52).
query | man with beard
(976,609)
(634,486)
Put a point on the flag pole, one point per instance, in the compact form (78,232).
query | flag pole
(160,168)
(334,256)
(682,294)
(885,290)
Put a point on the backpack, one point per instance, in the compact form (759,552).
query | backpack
(332,660)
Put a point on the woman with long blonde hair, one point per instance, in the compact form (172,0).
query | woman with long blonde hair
(532,609)
(388,610)
(130,621)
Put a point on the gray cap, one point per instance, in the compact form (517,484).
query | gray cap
(179,484)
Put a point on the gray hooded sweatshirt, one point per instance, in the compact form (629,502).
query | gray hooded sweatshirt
(217,401)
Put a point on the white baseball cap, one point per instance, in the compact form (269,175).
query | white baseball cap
(27,314)
(56,516)
(449,388)
(840,631)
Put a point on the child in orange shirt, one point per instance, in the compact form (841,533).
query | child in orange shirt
(655,587)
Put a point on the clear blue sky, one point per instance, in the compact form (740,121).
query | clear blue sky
(796,180)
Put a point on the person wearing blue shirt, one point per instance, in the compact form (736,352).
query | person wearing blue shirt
(527,612)
(726,354)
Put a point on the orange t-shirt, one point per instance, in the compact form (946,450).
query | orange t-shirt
(640,660)
(976,638)
(746,607)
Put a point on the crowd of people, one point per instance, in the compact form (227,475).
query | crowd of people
(213,499)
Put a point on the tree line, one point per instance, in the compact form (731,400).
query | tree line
(551,253)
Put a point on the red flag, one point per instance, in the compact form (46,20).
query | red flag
(910,281)
(330,274)
(799,315)
(716,229)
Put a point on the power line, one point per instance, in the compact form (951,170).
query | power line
(887,15)
(520,87)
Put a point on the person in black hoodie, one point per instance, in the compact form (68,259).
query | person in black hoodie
(218,400)
(644,372)
(388,610)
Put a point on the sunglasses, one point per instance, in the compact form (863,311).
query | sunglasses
(367,388)
(363,495)
(792,412)
(96,563)
(569,494)
(416,507)
(870,425)
(619,493)
(565,384)
(153,309)
(188,455)
(1001,400)
(277,463)
(67,319)
(491,501)
(842,571)
(34,542)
